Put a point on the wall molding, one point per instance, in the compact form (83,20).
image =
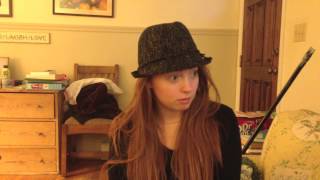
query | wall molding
(104,29)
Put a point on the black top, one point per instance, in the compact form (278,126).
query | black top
(230,148)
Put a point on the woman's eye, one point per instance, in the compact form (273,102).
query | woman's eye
(195,73)
(173,77)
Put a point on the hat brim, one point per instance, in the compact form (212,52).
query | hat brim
(175,64)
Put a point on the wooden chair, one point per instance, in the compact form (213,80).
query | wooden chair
(72,162)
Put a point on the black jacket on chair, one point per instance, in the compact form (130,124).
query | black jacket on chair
(94,101)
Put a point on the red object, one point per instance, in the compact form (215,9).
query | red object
(248,125)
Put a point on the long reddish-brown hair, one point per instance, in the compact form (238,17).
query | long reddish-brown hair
(197,145)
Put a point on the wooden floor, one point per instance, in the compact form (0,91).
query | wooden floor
(87,176)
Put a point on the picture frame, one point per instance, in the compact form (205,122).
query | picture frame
(4,61)
(5,8)
(96,8)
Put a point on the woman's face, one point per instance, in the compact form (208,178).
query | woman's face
(175,91)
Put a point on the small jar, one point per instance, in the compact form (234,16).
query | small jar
(5,72)
(5,76)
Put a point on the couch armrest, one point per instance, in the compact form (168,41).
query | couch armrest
(291,148)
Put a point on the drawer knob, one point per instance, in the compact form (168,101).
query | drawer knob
(0,157)
(41,134)
(42,161)
(39,106)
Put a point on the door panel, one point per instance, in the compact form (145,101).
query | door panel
(260,49)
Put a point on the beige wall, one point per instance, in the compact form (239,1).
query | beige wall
(104,41)
(304,92)
(205,14)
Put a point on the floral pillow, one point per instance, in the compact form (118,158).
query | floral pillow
(292,147)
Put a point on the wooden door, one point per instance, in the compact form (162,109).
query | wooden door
(260,50)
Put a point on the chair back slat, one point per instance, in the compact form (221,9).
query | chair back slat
(86,71)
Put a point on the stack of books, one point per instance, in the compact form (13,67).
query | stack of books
(47,80)
(248,122)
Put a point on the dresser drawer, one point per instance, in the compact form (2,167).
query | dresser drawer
(27,133)
(26,105)
(22,161)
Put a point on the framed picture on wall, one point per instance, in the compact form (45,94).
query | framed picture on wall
(98,8)
(4,61)
(6,8)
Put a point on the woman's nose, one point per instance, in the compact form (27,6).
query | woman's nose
(187,85)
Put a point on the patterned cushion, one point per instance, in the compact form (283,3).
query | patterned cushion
(292,147)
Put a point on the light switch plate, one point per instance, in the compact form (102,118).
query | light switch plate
(300,31)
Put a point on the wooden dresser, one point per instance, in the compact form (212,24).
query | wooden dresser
(29,131)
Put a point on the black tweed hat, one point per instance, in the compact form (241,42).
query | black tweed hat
(165,48)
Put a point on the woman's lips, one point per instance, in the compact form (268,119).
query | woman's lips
(184,100)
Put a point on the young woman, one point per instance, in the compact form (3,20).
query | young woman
(171,129)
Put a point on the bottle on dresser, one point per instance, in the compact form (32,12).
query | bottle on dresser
(5,76)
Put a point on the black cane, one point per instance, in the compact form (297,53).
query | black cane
(305,59)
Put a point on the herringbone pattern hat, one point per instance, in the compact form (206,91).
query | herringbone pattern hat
(166,48)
